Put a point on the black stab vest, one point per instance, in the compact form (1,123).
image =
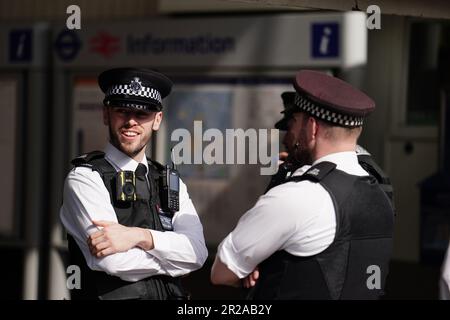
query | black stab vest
(363,239)
(139,213)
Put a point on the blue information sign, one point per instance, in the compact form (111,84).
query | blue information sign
(20,45)
(325,40)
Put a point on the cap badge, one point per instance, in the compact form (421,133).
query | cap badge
(135,85)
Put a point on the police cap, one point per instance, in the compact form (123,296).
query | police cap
(288,98)
(141,89)
(330,99)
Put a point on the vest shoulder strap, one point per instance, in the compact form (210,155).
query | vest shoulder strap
(366,161)
(87,157)
(316,173)
(156,164)
(96,161)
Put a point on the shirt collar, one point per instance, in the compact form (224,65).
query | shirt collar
(120,161)
(346,161)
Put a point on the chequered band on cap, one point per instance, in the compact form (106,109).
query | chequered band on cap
(134,90)
(139,106)
(320,112)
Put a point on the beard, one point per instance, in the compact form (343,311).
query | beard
(301,155)
(129,149)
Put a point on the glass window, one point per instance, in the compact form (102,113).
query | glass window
(8,92)
(428,52)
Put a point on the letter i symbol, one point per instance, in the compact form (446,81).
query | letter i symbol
(325,41)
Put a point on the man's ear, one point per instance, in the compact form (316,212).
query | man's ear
(157,120)
(105,116)
(312,127)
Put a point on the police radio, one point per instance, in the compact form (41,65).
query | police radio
(170,190)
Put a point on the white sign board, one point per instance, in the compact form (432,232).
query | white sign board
(269,41)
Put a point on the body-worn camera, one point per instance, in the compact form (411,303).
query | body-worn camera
(169,189)
(126,186)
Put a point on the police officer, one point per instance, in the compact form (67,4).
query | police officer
(325,232)
(132,248)
(286,165)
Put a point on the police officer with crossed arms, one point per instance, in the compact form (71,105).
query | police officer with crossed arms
(129,247)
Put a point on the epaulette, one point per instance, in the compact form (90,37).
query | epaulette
(83,160)
(316,173)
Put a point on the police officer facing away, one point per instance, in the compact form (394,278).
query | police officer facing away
(129,248)
(325,232)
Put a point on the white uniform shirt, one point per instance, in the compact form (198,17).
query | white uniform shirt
(298,217)
(175,253)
